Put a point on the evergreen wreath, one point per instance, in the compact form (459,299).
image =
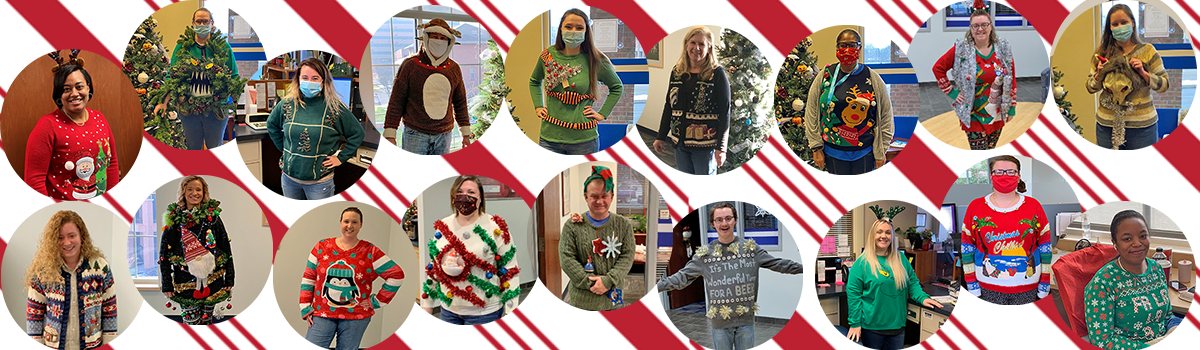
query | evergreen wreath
(177,214)
(225,84)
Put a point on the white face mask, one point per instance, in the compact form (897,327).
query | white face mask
(437,47)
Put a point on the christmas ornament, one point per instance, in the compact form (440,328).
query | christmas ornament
(1059,91)
(798,104)
(142,77)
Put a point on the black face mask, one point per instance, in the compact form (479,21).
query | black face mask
(465,204)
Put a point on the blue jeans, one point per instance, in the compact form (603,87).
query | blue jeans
(1174,322)
(695,162)
(421,143)
(878,341)
(733,338)
(295,190)
(203,129)
(349,332)
(578,149)
(1135,138)
(469,320)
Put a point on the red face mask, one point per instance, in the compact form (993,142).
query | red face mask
(1005,183)
(847,55)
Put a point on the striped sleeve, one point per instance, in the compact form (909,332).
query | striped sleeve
(1159,81)
(1044,255)
(968,253)
(308,282)
(393,277)
(108,308)
(35,312)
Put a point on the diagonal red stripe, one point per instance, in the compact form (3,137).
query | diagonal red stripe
(926,345)
(795,190)
(388,185)
(1086,162)
(928,6)
(788,208)
(60,27)
(477,160)
(488,335)
(119,208)
(946,339)
(238,325)
(1179,150)
(768,17)
(503,46)
(346,195)
(153,6)
(1070,172)
(1048,308)
(654,168)
(970,336)
(392,343)
(795,161)
(382,205)
(1045,16)
(1020,149)
(694,345)
(534,329)
(512,334)
(203,344)
(799,334)
(222,336)
(925,170)
(888,17)
(501,16)
(908,12)
(634,17)
(642,329)
(347,37)
(1191,317)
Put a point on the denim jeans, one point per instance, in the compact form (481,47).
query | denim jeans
(295,190)
(421,143)
(1174,322)
(878,341)
(470,320)
(695,162)
(1135,138)
(203,129)
(733,338)
(349,332)
(580,149)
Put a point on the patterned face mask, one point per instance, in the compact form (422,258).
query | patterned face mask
(465,204)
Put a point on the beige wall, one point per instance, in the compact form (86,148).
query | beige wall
(173,20)
(863,218)
(519,63)
(660,77)
(825,45)
(1072,56)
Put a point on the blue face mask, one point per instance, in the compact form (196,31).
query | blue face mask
(1122,32)
(203,30)
(310,89)
(572,38)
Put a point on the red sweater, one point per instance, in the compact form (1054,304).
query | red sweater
(68,161)
(1006,250)
(337,283)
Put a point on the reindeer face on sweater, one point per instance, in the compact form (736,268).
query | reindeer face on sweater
(856,112)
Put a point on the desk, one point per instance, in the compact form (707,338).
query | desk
(922,322)
(262,158)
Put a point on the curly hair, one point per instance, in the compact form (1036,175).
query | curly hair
(48,260)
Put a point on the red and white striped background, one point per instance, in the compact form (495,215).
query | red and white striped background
(807,201)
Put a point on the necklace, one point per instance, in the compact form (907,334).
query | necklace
(1122,266)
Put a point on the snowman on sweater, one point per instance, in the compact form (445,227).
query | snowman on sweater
(200,262)
(339,289)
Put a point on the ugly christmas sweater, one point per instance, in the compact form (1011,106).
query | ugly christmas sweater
(1006,250)
(564,82)
(988,77)
(472,270)
(610,248)
(696,114)
(49,306)
(68,161)
(1125,310)
(205,51)
(422,97)
(858,120)
(308,134)
(195,258)
(730,273)
(337,282)
(874,301)
(1142,112)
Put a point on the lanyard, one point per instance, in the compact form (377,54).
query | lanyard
(828,97)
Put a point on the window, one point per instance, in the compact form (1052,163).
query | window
(976,174)
(142,246)
(398,39)
(631,191)
(958,17)
(752,223)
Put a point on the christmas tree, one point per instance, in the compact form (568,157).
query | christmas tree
(1064,106)
(791,94)
(145,63)
(748,71)
(492,91)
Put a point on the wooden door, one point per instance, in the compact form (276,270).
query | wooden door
(549,230)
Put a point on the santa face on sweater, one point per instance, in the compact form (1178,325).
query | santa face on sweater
(83,187)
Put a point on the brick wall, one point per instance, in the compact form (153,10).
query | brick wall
(906,100)
(1173,98)
(626,48)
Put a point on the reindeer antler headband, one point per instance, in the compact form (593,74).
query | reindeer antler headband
(886,216)
(60,61)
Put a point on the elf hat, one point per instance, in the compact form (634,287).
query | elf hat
(975,5)
(192,248)
(600,173)
(340,269)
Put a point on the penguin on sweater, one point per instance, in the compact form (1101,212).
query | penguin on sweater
(339,289)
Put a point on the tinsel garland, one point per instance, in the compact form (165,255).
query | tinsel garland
(432,289)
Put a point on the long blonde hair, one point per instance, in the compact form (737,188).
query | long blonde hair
(47,262)
(179,196)
(684,64)
(899,273)
(332,101)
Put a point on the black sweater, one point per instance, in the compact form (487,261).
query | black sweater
(696,112)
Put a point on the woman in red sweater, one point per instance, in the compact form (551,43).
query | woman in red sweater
(983,92)
(70,155)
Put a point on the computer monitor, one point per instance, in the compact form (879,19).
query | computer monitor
(951,210)
(343,89)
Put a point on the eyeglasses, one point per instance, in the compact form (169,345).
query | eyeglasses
(724,219)
(1009,172)
(203,21)
(978,26)
(848,45)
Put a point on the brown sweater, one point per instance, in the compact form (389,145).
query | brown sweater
(428,99)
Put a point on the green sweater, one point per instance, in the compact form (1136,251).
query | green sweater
(579,83)
(196,51)
(574,248)
(1125,310)
(874,301)
(307,134)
